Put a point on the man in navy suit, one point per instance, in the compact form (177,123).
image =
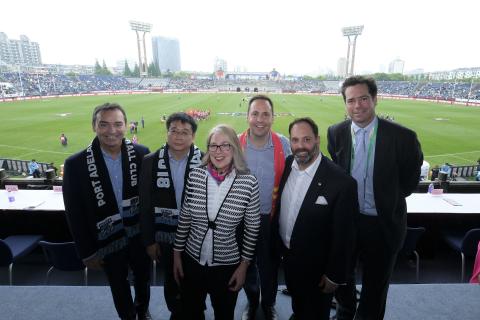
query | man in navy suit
(385,159)
(314,224)
(100,191)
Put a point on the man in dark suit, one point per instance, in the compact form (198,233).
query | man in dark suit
(162,183)
(314,227)
(100,191)
(385,160)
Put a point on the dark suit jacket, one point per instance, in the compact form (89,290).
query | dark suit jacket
(323,235)
(79,205)
(397,162)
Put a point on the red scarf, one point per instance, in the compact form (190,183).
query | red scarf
(278,163)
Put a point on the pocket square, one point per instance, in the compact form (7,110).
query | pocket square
(321,201)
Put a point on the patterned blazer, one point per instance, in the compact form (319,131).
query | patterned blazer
(241,207)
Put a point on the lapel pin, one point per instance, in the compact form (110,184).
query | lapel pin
(319,184)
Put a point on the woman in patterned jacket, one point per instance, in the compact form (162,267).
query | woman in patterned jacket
(217,229)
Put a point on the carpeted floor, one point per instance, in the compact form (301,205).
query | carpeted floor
(405,302)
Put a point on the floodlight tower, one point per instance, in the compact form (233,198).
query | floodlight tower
(141,27)
(354,31)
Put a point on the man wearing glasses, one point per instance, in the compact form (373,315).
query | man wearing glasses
(265,152)
(161,194)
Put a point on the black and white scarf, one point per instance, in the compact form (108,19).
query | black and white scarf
(114,225)
(163,195)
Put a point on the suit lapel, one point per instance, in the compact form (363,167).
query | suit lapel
(381,151)
(345,151)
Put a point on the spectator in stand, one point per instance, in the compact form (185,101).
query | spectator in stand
(477,178)
(446,169)
(424,170)
(34,169)
(52,166)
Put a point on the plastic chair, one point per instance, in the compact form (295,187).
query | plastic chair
(463,243)
(410,246)
(64,257)
(14,248)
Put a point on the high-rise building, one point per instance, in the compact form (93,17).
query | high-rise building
(342,67)
(396,66)
(19,52)
(166,53)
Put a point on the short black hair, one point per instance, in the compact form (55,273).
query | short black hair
(354,80)
(107,107)
(259,97)
(307,120)
(183,118)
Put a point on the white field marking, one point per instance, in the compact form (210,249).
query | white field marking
(452,154)
(24,155)
(31,149)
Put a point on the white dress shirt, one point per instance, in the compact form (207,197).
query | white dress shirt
(216,193)
(293,195)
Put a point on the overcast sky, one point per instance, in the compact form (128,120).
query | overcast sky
(293,36)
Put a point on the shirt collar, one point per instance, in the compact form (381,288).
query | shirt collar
(311,169)
(368,128)
(267,145)
(109,157)
(171,157)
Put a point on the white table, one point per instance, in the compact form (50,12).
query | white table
(45,200)
(448,203)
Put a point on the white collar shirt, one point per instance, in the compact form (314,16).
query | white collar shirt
(293,195)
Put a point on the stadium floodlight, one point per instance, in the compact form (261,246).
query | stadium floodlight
(354,32)
(144,27)
(140,26)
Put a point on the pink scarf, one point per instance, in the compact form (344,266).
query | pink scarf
(217,176)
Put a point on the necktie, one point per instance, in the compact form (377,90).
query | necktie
(359,164)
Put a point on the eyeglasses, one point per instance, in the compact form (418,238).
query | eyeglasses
(222,147)
(182,134)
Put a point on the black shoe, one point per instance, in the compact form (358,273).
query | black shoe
(249,313)
(146,316)
(270,313)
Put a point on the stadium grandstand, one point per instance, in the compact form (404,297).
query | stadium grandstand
(34,84)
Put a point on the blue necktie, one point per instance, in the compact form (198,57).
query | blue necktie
(359,165)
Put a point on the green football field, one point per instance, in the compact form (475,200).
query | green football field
(31,129)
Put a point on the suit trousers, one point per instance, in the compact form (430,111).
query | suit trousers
(116,267)
(170,288)
(308,301)
(201,280)
(262,274)
(377,261)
